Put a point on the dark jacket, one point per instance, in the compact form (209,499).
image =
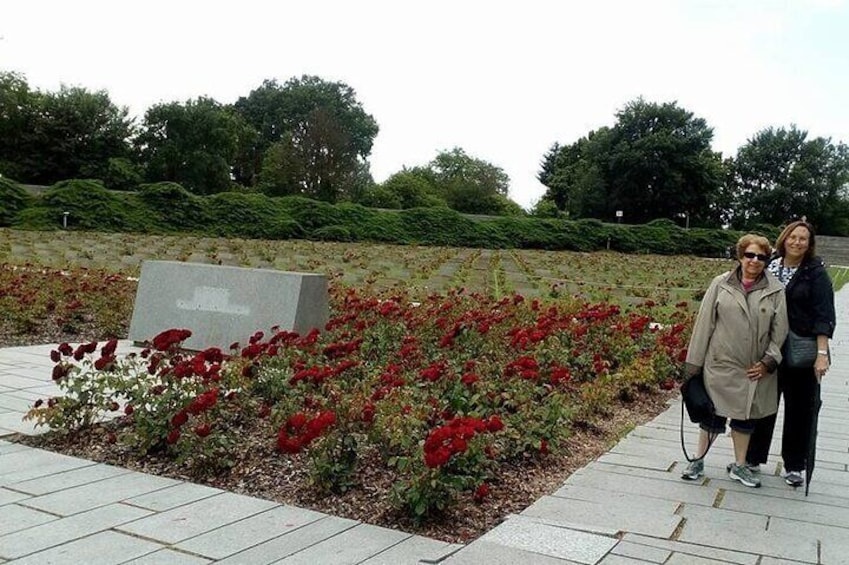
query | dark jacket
(810,300)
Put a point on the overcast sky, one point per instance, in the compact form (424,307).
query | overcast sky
(502,80)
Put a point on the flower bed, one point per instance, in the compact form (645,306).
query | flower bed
(444,394)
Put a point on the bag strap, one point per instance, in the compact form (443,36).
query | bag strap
(711,438)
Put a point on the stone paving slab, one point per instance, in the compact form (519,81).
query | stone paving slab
(8,496)
(525,534)
(7,447)
(199,517)
(614,559)
(101,493)
(254,530)
(641,553)
(15,517)
(12,403)
(64,530)
(833,541)
(656,518)
(103,548)
(799,508)
(746,532)
(663,489)
(173,496)
(31,463)
(69,479)
(711,553)
(413,551)
(351,546)
(285,545)
(11,423)
(481,552)
(168,557)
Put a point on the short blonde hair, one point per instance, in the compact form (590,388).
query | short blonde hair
(748,240)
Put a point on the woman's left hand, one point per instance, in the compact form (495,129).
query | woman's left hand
(821,366)
(756,371)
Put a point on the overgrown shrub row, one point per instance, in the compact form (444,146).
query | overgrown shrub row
(169,208)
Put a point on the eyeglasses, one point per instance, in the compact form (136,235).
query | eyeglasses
(759,256)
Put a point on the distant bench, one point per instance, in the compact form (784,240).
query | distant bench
(222,305)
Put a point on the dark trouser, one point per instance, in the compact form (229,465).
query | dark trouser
(798,386)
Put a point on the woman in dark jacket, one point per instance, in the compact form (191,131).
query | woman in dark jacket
(810,311)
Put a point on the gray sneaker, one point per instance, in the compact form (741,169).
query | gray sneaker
(753,467)
(694,470)
(794,478)
(744,475)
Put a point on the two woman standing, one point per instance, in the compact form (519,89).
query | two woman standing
(736,342)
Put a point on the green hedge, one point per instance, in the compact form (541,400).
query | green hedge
(168,207)
(13,199)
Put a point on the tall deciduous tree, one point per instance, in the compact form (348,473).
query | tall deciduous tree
(316,135)
(194,144)
(415,188)
(18,113)
(655,162)
(46,137)
(472,185)
(780,174)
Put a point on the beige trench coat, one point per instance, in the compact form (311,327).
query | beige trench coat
(733,331)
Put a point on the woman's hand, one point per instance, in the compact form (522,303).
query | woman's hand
(821,366)
(756,371)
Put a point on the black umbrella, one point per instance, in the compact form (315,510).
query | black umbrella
(812,440)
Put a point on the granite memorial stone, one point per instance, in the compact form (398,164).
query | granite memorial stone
(222,305)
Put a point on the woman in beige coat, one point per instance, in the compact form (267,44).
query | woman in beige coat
(736,343)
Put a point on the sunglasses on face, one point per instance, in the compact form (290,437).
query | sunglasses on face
(759,256)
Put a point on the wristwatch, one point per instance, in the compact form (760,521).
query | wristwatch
(822,352)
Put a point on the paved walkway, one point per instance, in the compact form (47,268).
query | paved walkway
(627,507)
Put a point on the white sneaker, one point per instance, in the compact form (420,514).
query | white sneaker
(794,478)
(753,467)
(744,475)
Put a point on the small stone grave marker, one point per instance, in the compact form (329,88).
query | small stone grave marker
(222,305)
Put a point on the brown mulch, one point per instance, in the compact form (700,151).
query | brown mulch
(260,471)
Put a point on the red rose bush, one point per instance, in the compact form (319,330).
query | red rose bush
(441,391)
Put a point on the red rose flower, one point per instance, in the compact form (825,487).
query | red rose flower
(481,492)
(179,418)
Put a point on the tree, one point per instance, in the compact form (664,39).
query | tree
(471,185)
(414,188)
(573,175)
(655,162)
(193,144)
(52,136)
(322,129)
(780,174)
(18,112)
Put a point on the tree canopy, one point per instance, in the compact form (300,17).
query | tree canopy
(655,162)
(46,137)
(192,143)
(780,174)
(314,139)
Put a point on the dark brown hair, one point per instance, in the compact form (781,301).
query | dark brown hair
(785,233)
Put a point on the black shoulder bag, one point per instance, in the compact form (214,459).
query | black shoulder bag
(699,406)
